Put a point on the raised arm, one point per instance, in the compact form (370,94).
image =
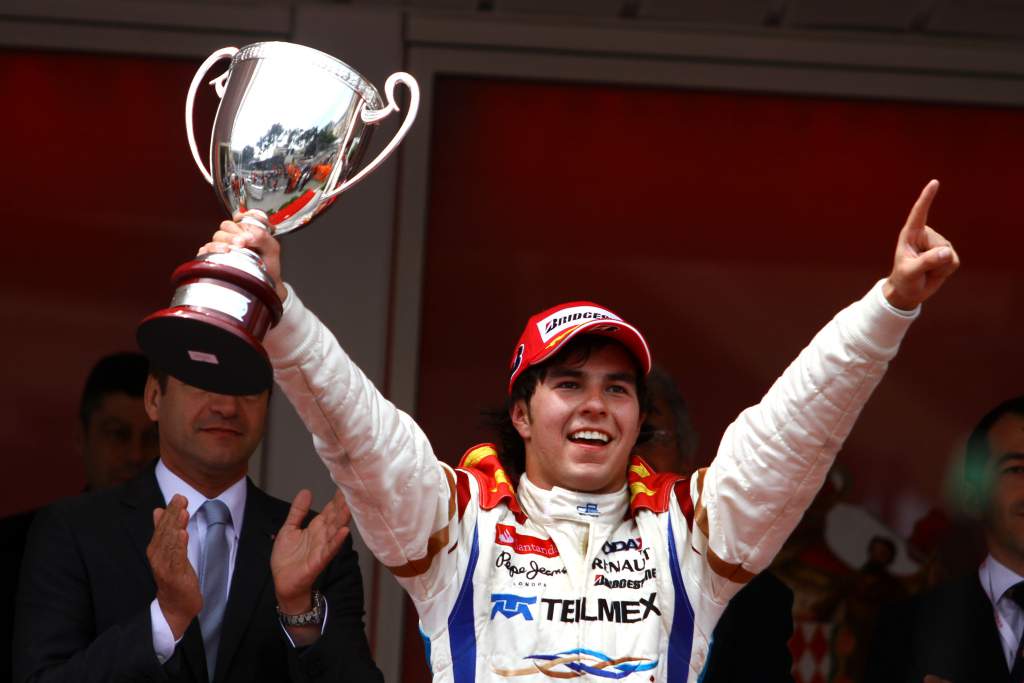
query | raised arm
(401,497)
(775,456)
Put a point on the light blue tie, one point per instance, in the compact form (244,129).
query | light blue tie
(214,579)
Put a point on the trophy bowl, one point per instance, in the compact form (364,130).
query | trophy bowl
(290,135)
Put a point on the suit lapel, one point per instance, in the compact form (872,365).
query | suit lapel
(141,495)
(251,574)
(987,656)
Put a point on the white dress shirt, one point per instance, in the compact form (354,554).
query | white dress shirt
(234,497)
(996,580)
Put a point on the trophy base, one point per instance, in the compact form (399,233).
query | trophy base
(204,351)
(210,336)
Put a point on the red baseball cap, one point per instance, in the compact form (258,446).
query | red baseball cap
(547,332)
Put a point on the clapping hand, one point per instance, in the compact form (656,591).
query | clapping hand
(300,555)
(177,586)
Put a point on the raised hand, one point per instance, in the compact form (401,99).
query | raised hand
(300,555)
(924,258)
(177,586)
(236,234)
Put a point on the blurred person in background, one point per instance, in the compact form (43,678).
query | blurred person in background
(115,436)
(970,629)
(116,440)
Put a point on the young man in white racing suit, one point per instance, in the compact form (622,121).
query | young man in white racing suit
(593,566)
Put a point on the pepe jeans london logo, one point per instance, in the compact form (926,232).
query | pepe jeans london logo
(530,572)
(557,323)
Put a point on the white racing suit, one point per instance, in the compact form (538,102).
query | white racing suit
(529,585)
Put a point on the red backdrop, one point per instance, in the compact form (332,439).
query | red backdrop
(729,227)
(101,201)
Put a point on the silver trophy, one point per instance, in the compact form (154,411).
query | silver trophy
(290,134)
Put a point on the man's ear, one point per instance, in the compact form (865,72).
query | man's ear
(151,397)
(520,414)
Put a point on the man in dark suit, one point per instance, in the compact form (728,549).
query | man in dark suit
(969,630)
(116,440)
(751,640)
(189,572)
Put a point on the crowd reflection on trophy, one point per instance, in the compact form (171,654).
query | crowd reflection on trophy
(285,172)
(290,135)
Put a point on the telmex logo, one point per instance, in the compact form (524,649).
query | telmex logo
(616,546)
(523,544)
(577,315)
(575,610)
(510,605)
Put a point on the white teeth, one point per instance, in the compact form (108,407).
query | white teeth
(590,435)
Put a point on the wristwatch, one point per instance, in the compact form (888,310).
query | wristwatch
(313,617)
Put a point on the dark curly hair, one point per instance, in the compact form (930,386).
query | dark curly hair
(117,373)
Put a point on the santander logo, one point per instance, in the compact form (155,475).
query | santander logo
(523,544)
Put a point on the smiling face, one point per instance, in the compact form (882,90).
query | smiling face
(1005,512)
(205,438)
(582,421)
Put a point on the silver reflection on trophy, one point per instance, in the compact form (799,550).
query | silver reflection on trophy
(292,129)
(290,134)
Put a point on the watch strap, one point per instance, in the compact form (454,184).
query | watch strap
(313,617)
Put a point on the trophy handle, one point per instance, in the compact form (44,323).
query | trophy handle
(218,84)
(373,116)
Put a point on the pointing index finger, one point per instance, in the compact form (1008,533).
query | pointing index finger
(918,216)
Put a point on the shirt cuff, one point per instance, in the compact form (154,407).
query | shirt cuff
(885,302)
(881,325)
(163,638)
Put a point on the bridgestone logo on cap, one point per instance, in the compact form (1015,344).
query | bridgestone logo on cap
(518,360)
(577,315)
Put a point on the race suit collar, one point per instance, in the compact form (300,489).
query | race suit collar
(544,506)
